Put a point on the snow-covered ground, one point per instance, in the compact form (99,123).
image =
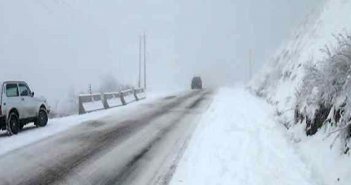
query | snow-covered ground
(239,142)
(323,155)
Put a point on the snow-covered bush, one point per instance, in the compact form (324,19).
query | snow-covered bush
(325,96)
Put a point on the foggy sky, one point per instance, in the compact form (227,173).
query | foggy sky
(60,45)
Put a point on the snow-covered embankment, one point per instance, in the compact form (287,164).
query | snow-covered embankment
(315,44)
(239,142)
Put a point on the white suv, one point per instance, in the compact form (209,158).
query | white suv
(18,107)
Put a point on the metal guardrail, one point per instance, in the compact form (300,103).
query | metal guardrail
(104,97)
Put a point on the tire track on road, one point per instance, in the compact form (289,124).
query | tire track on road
(98,141)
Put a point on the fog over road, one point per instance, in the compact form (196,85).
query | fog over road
(141,148)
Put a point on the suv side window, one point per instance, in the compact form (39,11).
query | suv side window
(24,90)
(12,90)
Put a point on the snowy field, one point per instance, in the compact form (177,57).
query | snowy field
(238,143)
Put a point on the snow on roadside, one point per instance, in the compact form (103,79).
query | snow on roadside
(323,154)
(282,77)
(31,134)
(238,142)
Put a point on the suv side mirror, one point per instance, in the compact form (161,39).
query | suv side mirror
(32,94)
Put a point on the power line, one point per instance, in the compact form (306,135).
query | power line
(140,60)
(145,80)
(250,63)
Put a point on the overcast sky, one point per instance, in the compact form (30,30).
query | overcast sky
(57,45)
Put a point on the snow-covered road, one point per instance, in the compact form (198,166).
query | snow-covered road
(238,143)
(182,139)
(137,146)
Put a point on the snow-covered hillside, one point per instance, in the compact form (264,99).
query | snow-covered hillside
(282,76)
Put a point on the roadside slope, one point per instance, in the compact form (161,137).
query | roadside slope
(281,80)
(282,76)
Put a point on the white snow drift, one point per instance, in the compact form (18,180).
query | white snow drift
(237,143)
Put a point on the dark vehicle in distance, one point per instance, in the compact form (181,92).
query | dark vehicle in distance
(196,83)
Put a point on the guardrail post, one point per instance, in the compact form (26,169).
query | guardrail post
(81,109)
(122,99)
(135,95)
(104,101)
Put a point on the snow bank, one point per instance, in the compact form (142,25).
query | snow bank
(322,155)
(239,142)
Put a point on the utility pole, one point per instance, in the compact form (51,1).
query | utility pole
(250,63)
(145,61)
(140,48)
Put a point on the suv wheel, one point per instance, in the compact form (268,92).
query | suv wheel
(13,124)
(21,126)
(42,119)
